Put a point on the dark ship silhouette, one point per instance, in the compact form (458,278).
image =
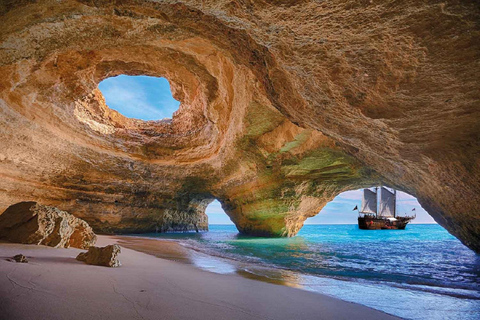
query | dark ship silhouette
(385,217)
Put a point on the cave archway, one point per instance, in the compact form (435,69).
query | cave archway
(216,214)
(272,122)
(339,210)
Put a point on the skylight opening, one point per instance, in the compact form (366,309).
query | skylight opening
(139,97)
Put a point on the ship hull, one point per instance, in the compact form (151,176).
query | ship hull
(374,223)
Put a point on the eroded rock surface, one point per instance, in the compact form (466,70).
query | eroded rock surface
(20,258)
(33,223)
(284,104)
(102,256)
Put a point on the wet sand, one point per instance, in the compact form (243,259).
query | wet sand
(172,250)
(164,249)
(53,285)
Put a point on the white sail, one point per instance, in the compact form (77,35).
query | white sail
(387,203)
(369,201)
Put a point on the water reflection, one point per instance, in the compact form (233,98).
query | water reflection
(279,277)
(173,251)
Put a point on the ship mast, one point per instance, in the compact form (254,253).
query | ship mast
(369,202)
(394,203)
(387,207)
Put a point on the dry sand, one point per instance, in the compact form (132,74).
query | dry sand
(53,285)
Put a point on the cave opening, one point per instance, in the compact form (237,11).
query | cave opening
(340,209)
(216,214)
(139,97)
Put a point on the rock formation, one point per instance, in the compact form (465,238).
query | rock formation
(284,104)
(32,223)
(20,258)
(106,256)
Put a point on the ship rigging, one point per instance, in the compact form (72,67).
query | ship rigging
(384,216)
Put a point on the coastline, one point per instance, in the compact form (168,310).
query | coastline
(54,285)
(174,251)
(221,251)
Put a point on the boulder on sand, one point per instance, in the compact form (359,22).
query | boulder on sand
(33,223)
(20,258)
(106,256)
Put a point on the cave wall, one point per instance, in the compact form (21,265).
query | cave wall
(276,117)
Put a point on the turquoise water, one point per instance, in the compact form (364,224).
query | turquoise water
(419,273)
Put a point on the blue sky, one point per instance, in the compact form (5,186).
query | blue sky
(338,211)
(150,98)
(140,97)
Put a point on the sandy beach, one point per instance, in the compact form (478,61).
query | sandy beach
(53,285)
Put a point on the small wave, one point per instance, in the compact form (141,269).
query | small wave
(367,268)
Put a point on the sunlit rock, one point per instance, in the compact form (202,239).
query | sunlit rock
(101,256)
(33,223)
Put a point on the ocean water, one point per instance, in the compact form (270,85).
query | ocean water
(422,272)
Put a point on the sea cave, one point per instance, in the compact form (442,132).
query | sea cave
(271,117)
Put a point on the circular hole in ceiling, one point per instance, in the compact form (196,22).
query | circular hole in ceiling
(139,97)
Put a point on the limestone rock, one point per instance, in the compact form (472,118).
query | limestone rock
(106,256)
(284,104)
(33,223)
(20,258)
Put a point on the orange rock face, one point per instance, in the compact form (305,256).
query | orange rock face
(33,223)
(106,256)
(283,106)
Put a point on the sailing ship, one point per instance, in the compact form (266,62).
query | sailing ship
(369,218)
